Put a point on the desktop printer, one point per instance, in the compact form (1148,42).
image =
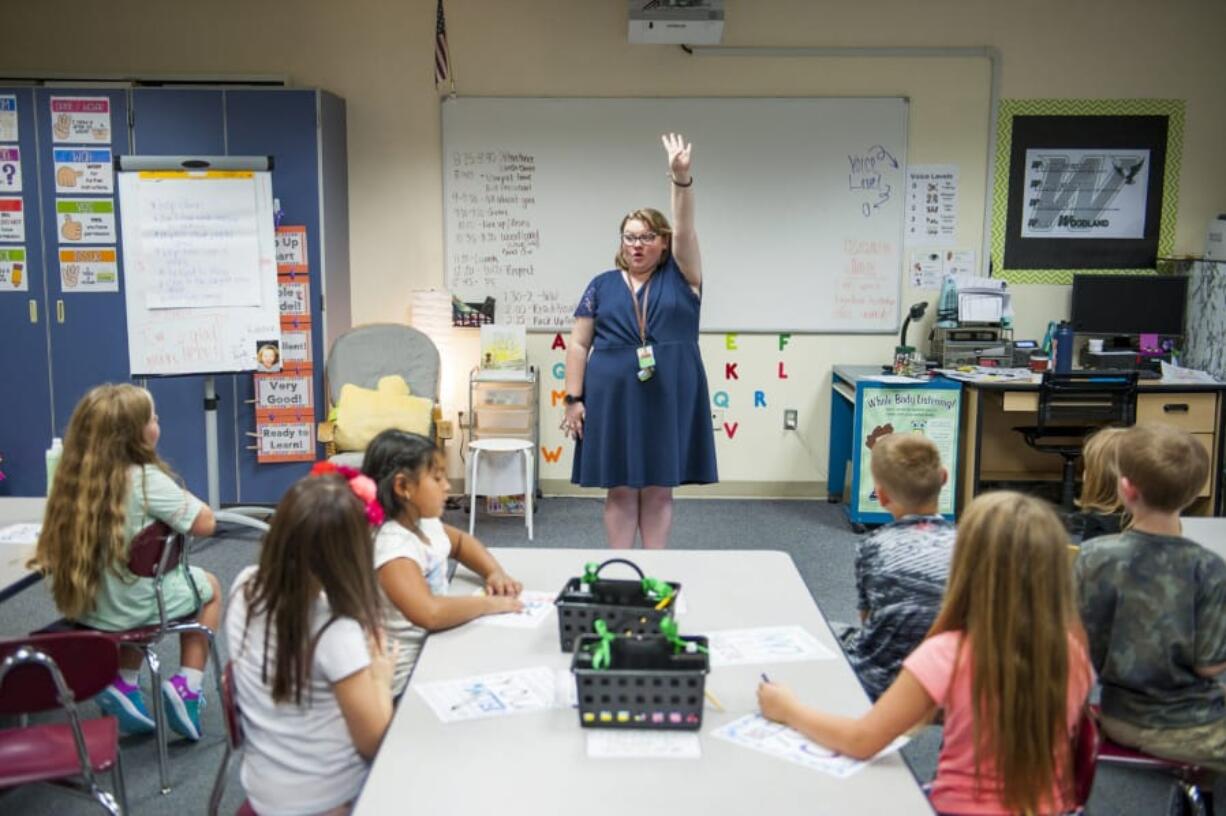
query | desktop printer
(966,345)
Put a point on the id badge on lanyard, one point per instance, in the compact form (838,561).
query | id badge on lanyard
(646,355)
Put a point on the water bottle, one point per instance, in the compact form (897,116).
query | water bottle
(1062,352)
(947,304)
(53,460)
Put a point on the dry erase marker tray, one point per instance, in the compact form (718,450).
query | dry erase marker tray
(647,684)
(623,604)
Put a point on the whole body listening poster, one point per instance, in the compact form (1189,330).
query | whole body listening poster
(928,411)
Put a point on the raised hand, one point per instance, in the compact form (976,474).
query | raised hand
(678,150)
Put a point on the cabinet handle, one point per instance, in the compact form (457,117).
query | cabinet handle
(1175,408)
(59,311)
(33,311)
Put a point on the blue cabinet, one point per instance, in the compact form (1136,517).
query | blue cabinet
(291,126)
(71,339)
(88,339)
(187,122)
(25,410)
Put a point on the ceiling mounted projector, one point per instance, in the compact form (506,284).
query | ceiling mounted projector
(676,22)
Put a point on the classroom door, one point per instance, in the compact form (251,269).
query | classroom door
(79,132)
(25,431)
(186,122)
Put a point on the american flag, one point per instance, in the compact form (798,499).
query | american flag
(442,59)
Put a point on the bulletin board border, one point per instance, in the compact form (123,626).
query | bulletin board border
(1172,109)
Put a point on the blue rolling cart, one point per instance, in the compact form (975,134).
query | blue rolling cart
(865,404)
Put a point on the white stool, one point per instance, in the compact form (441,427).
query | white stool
(502,446)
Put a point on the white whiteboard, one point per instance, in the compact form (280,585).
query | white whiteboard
(200,270)
(799,204)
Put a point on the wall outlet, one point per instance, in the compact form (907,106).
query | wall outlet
(790,419)
(717,419)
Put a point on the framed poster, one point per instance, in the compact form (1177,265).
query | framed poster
(1084,186)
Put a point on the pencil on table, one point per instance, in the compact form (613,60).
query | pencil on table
(710,695)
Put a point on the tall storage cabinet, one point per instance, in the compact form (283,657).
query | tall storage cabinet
(71,341)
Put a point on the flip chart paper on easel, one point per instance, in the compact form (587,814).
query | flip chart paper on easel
(198,236)
(223,314)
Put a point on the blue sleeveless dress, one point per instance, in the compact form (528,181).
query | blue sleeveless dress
(644,434)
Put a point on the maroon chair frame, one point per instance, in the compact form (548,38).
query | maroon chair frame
(52,671)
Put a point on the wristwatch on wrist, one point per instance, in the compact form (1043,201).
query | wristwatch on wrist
(571,399)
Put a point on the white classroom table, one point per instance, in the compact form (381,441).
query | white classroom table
(14,577)
(537,762)
(1207,531)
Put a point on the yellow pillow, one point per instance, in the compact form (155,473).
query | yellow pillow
(362,413)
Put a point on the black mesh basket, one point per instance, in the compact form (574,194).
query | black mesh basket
(622,604)
(647,684)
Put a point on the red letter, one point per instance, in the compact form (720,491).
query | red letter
(783,375)
(731,429)
(551,457)
(558,343)
(730,371)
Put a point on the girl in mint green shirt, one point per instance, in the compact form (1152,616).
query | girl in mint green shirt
(110,485)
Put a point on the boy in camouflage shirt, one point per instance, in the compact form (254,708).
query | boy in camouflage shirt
(1154,607)
(902,568)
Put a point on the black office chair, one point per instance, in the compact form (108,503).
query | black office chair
(1092,400)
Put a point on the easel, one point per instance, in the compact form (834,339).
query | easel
(243,516)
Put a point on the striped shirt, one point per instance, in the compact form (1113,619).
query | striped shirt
(901,570)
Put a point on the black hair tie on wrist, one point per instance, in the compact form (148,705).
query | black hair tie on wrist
(689,183)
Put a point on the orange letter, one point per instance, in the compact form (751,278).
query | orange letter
(555,397)
(553,456)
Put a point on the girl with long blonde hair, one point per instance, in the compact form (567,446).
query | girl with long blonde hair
(1101,511)
(1005,660)
(109,486)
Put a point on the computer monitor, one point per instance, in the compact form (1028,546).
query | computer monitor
(1129,304)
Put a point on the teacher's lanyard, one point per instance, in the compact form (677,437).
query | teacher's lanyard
(644,353)
(640,314)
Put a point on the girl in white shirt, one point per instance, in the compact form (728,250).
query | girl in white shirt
(413,545)
(312,677)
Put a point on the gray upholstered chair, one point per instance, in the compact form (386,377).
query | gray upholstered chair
(364,354)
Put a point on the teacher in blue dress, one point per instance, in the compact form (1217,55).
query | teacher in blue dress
(636,390)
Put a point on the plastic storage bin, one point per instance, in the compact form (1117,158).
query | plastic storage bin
(648,684)
(624,605)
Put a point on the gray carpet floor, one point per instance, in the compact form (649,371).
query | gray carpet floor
(814,533)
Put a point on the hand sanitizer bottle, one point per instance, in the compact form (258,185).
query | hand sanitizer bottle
(53,460)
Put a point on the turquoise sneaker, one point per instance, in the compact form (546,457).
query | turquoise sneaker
(183,707)
(125,703)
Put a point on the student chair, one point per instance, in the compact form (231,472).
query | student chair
(154,552)
(234,744)
(1086,744)
(43,672)
(1071,407)
(1192,789)
(365,354)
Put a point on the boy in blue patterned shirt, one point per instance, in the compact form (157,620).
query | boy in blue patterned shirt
(901,569)
(1154,607)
